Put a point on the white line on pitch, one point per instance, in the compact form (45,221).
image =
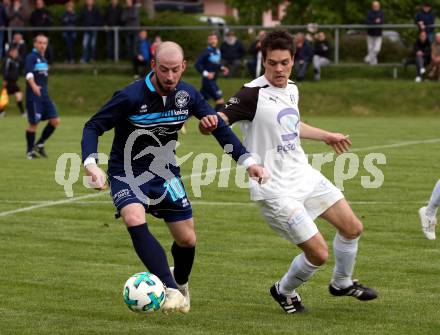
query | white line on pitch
(93,195)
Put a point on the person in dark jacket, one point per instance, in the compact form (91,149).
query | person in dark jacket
(142,55)
(232,52)
(3,24)
(130,18)
(40,17)
(89,16)
(112,18)
(422,54)
(425,18)
(11,73)
(254,64)
(303,56)
(375,16)
(69,19)
(19,43)
(321,55)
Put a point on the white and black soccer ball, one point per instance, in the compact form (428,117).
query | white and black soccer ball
(144,293)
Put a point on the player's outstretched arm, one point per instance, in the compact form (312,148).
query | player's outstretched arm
(339,142)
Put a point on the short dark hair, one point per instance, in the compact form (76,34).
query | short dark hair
(278,40)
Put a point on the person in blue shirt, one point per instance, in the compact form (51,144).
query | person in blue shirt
(142,170)
(209,66)
(39,105)
(142,53)
(425,19)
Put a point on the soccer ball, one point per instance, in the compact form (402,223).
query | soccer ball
(144,293)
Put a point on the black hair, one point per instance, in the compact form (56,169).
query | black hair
(278,40)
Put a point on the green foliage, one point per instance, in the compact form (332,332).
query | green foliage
(351,11)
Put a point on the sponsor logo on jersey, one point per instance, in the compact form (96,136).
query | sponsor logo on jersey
(181,99)
(144,109)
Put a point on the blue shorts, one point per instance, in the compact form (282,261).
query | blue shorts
(40,109)
(165,199)
(210,89)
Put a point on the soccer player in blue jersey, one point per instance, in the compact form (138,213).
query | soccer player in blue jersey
(209,66)
(143,174)
(39,106)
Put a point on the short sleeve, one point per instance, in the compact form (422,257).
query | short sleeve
(242,106)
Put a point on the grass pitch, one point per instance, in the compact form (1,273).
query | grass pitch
(64,261)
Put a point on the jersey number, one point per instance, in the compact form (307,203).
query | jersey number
(175,188)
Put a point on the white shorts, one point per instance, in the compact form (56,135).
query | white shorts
(293,217)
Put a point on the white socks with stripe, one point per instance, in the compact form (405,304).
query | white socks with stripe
(299,272)
(345,256)
(434,202)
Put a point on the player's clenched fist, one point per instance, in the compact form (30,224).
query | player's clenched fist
(208,124)
(258,173)
(97,178)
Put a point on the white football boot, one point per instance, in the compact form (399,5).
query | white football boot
(184,289)
(428,224)
(174,301)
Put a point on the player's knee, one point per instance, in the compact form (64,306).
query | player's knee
(353,230)
(187,240)
(319,256)
(55,122)
(132,219)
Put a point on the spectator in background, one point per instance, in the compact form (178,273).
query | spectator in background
(157,41)
(425,18)
(142,55)
(375,16)
(254,64)
(11,73)
(422,53)
(232,52)
(321,55)
(40,17)
(303,56)
(435,58)
(3,24)
(17,14)
(69,19)
(130,18)
(19,43)
(112,18)
(89,16)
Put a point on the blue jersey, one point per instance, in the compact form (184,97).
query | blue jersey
(144,122)
(37,65)
(209,60)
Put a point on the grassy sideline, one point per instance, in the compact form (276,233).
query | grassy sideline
(62,267)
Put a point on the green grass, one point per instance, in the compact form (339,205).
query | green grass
(62,267)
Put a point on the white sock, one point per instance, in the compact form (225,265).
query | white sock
(434,202)
(299,272)
(345,255)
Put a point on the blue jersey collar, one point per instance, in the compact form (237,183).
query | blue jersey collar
(149,83)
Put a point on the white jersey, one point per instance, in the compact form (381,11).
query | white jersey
(270,123)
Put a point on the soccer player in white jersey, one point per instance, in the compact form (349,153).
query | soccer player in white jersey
(296,194)
(428,213)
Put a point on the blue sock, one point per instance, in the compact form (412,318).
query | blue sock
(30,139)
(151,253)
(183,262)
(47,131)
